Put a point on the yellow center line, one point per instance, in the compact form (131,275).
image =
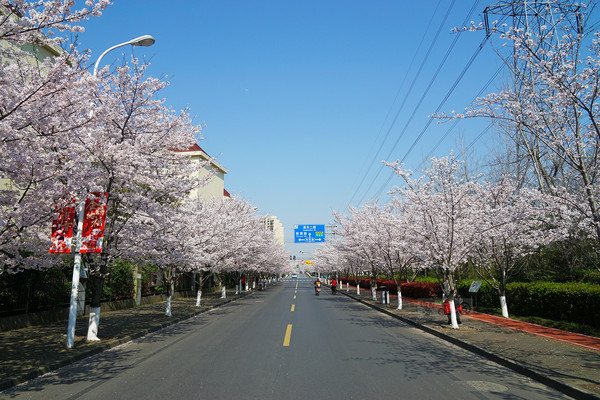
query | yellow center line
(294,297)
(293,307)
(288,336)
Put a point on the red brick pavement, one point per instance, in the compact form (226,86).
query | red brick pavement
(577,339)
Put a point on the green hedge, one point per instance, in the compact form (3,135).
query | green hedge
(572,302)
(486,297)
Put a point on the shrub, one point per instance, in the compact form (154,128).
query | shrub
(420,290)
(119,283)
(417,290)
(574,302)
(487,296)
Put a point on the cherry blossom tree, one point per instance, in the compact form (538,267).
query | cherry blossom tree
(43,107)
(231,239)
(167,240)
(383,233)
(361,239)
(551,109)
(329,259)
(66,134)
(336,257)
(201,219)
(25,22)
(398,254)
(130,155)
(439,208)
(512,224)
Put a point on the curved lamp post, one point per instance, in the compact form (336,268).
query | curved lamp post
(145,41)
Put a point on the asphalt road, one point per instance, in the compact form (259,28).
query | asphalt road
(286,343)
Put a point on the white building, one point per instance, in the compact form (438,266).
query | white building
(215,188)
(273,224)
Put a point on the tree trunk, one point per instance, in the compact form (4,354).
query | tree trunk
(97,283)
(199,298)
(93,324)
(504,306)
(168,306)
(399,299)
(170,290)
(453,314)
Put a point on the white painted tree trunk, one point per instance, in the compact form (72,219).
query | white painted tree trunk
(199,298)
(347,286)
(223,292)
(93,324)
(399,300)
(168,307)
(504,306)
(374,293)
(453,315)
(358,288)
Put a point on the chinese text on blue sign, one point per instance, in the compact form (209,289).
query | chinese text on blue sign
(309,233)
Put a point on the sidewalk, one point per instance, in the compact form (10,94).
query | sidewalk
(566,361)
(30,352)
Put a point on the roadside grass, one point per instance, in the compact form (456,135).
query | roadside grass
(563,325)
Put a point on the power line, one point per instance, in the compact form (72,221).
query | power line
(481,91)
(368,170)
(414,81)
(479,136)
(432,80)
(439,107)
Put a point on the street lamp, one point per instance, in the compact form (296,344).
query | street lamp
(145,41)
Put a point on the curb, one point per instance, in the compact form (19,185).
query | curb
(505,362)
(103,346)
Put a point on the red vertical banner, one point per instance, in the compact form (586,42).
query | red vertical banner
(62,229)
(93,223)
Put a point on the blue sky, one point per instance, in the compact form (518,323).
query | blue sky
(298,96)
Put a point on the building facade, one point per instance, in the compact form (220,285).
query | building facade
(215,188)
(273,224)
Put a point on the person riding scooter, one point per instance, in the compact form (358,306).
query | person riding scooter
(317,286)
(333,286)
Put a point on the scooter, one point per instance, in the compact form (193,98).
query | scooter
(317,290)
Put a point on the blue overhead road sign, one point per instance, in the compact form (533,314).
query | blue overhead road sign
(309,233)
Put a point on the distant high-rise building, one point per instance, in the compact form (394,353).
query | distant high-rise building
(273,224)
